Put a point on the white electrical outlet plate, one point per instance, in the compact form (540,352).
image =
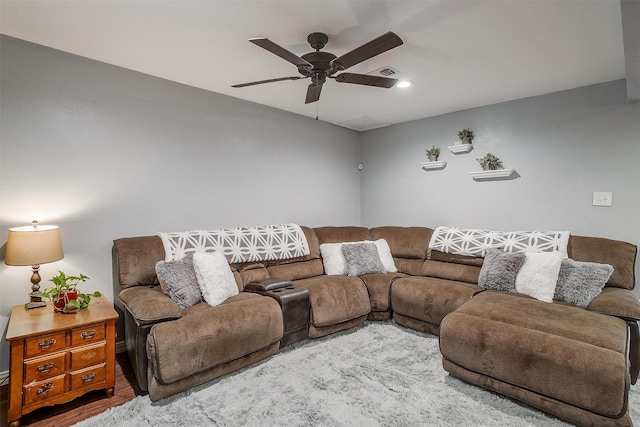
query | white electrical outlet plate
(601,198)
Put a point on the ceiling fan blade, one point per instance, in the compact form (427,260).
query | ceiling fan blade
(313,92)
(259,82)
(281,52)
(365,79)
(368,50)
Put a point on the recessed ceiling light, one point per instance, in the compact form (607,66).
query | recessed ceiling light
(404,83)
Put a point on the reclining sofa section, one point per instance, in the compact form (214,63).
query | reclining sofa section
(506,342)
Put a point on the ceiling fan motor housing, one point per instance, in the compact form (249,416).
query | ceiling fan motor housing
(319,60)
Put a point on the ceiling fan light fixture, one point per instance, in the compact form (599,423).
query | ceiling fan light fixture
(404,84)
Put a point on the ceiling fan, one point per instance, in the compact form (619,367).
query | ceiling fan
(320,65)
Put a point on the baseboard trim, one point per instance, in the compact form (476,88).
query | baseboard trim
(4,378)
(121,347)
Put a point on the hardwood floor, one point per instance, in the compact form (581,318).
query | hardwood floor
(83,407)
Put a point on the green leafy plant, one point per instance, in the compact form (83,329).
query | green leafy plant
(433,153)
(466,136)
(64,295)
(490,162)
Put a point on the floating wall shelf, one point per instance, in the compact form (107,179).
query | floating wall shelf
(460,148)
(500,173)
(434,165)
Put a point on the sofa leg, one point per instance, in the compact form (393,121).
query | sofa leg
(634,349)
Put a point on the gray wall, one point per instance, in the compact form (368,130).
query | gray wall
(564,146)
(104,153)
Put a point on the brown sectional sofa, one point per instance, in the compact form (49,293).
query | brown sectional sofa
(505,342)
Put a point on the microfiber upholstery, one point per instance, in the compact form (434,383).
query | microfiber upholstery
(429,299)
(209,336)
(135,260)
(620,255)
(335,299)
(341,234)
(563,352)
(563,359)
(405,242)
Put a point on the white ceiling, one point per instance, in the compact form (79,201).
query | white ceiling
(459,54)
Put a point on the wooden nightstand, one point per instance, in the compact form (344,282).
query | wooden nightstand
(57,357)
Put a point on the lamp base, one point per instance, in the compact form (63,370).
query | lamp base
(35,302)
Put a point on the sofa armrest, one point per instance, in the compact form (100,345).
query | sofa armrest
(267,285)
(148,305)
(617,302)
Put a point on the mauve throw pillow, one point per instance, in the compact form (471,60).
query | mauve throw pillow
(178,281)
(362,258)
(580,282)
(499,270)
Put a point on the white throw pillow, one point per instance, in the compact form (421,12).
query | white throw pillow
(336,265)
(333,259)
(214,276)
(385,255)
(539,274)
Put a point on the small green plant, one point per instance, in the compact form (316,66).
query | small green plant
(64,294)
(466,136)
(433,153)
(490,162)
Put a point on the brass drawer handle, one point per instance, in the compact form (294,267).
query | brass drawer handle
(89,377)
(45,388)
(87,335)
(47,367)
(47,343)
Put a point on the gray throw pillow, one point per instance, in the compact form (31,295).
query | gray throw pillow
(362,258)
(580,282)
(499,270)
(178,280)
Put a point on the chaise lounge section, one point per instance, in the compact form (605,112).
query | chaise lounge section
(595,348)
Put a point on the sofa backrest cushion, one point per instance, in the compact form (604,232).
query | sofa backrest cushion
(405,242)
(134,260)
(341,234)
(620,255)
(299,268)
(408,246)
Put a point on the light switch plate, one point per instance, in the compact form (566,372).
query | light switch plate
(601,198)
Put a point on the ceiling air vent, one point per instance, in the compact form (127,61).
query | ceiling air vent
(386,71)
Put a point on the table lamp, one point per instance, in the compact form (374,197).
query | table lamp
(34,245)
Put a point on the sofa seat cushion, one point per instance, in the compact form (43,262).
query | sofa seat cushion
(555,350)
(335,299)
(210,336)
(379,287)
(429,299)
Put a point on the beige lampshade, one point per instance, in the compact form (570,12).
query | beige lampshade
(33,245)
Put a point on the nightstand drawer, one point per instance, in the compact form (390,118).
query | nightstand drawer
(43,390)
(87,356)
(87,377)
(44,367)
(87,334)
(44,344)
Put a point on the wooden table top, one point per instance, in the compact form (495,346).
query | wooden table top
(25,323)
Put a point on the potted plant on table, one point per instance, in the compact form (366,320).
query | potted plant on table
(466,136)
(433,153)
(490,162)
(64,295)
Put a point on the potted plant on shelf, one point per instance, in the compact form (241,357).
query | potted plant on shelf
(466,136)
(490,162)
(64,295)
(433,153)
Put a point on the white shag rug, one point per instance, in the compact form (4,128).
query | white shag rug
(379,374)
